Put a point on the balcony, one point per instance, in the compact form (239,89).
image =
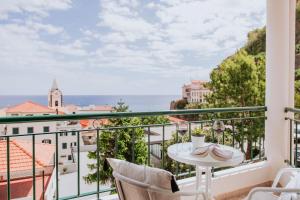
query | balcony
(65,181)
(271,148)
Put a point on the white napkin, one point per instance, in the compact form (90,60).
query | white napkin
(215,151)
(220,154)
(201,151)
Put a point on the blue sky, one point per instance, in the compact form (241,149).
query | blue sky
(118,46)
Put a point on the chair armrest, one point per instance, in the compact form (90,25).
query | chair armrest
(281,172)
(268,189)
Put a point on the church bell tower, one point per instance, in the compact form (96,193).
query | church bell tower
(55,97)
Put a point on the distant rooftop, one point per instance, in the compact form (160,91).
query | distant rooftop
(96,108)
(21,155)
(23,188)
(29,107)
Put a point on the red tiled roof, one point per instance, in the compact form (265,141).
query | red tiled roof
(99,108)
(23,187)
(89,122)
(21,156)
(84,123)
(44,152)
(175,119)
(104,108)
(29,107)
(198,81)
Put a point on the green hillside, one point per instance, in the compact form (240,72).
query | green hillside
(256,45)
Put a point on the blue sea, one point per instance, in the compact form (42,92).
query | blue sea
(135,102)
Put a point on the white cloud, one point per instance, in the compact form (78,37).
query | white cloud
(167,40)
(39,7)
(203,29)
(50,29)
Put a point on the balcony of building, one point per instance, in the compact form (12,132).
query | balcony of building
(268,150)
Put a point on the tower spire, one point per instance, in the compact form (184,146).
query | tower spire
(55,97)
(54,85)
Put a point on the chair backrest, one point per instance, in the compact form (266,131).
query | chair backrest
(294,183)
(141,182)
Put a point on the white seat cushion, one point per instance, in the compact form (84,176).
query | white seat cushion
(293,183)
(264,196)
(144,174)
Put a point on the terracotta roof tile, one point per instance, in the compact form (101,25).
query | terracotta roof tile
(91,122)
(21,157)
(23,188)
(175,119)
(29,107)
(104,108)
(98,108)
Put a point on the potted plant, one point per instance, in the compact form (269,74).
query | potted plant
(64,169)
(198,137)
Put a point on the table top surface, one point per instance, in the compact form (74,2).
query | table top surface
(182,152)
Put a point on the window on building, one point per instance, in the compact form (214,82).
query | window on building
(15,131)
(56,103)
(73,133)
(30,130)
(74,144)
(46,129)
(29,115)
(64,145)
(46,141)
(14,114)
(69,157)
(64,134)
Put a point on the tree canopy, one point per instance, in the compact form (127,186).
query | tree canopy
(238,81)
(122,143)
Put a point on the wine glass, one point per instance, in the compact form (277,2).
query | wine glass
(218,127)
(182,129)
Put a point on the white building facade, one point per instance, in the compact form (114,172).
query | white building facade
(195,92)
(67,130)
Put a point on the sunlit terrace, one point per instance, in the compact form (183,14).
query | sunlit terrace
(262,141)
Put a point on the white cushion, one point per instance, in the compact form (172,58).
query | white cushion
(293,183)
(152,176)
(264,196)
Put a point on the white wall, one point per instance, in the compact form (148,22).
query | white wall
(279,79)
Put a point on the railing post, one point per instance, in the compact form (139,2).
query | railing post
(149,146)
(233,130)
(291,141)
(56,166)
(163,147)
(78,163)
(8,166)
(43,187)
(33,167)
(296,146)
(133,145)
(98,164)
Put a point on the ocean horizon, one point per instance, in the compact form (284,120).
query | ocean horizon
(135,102)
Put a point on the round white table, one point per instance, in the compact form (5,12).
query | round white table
(182,152)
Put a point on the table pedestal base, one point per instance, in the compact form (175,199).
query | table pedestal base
(207,181)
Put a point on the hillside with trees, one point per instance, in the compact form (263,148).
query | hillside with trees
(244,68)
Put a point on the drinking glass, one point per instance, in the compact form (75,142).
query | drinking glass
(182,129)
